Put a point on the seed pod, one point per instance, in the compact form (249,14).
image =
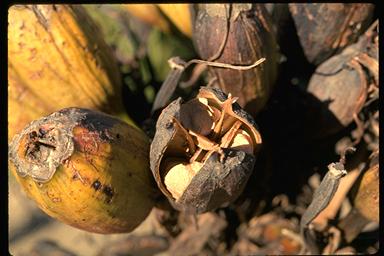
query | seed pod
(326,28)
(57,58)
(180,15)
(339,87)
(238,34)
(85,168)
(203,151)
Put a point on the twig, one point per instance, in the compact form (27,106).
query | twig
(225,65)
(177,68)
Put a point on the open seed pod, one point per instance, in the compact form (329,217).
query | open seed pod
(343,84)
(203,151)
(326,28)
(85,168)
(57,58)
(238,34)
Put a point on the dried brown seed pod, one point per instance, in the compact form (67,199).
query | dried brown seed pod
(341,86)
(326,28)
(203,151)
(238,34)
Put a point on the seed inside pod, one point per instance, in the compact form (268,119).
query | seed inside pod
(204,151)
(178,176)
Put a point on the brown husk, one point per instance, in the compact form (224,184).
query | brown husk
(326,28)
(225,171)
(238,34)
(342,85)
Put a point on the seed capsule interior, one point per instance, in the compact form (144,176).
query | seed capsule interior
(206,136)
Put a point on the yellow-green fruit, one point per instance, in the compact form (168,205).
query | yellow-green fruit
(180,15)
(148,13)
(57,58)
(85,168)
(367,196)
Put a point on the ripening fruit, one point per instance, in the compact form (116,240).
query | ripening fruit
(87,169)
(57,58)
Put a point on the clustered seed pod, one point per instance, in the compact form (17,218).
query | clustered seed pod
(57,58)
(85,168)
(326,28)
(238,34)
(203,151)
(341,86)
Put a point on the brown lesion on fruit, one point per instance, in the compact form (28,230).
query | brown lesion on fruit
(43,146)
(96,185)
(203,126)
(109,193)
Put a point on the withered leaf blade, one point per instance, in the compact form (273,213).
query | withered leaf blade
(168,87)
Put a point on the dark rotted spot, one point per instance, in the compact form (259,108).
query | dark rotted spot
(33,135)
(118,136)
(83,219)
(105,136)
(98,122)
(108,191)
(42,132)
(129,174)
(96,185)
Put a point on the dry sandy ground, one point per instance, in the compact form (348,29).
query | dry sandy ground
(28,225)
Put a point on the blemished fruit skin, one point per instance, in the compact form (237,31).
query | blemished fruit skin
(57,58)
(87,169)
